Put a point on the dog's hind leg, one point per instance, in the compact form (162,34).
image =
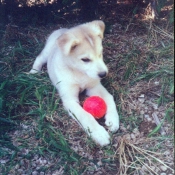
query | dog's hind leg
(39,62)
(41,59)
(47,52)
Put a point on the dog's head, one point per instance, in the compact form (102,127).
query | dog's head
(82,49)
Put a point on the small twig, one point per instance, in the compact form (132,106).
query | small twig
(155,93)
(164,34)
(3,62)
(133,162)
(148,168)
(161,30)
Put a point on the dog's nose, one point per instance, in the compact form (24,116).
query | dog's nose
(102,74)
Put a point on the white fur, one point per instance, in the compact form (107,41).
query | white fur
(70,75)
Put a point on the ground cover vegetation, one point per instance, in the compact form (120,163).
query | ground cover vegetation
(36,134)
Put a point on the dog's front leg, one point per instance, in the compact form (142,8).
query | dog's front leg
(86,120)
(112,117)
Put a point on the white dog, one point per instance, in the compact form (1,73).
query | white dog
(74,60)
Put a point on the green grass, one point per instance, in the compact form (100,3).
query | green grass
(24,91)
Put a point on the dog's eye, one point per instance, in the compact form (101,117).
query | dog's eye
(86,60)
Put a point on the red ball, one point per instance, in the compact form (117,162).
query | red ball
(95,106)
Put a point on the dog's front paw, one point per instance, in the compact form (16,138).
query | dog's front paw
(100,136)
(112,122)
(33,71)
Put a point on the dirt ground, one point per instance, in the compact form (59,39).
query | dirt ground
(144,143)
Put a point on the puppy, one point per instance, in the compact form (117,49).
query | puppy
(75,63)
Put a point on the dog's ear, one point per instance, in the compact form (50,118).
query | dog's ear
(98,26)
(67,42)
